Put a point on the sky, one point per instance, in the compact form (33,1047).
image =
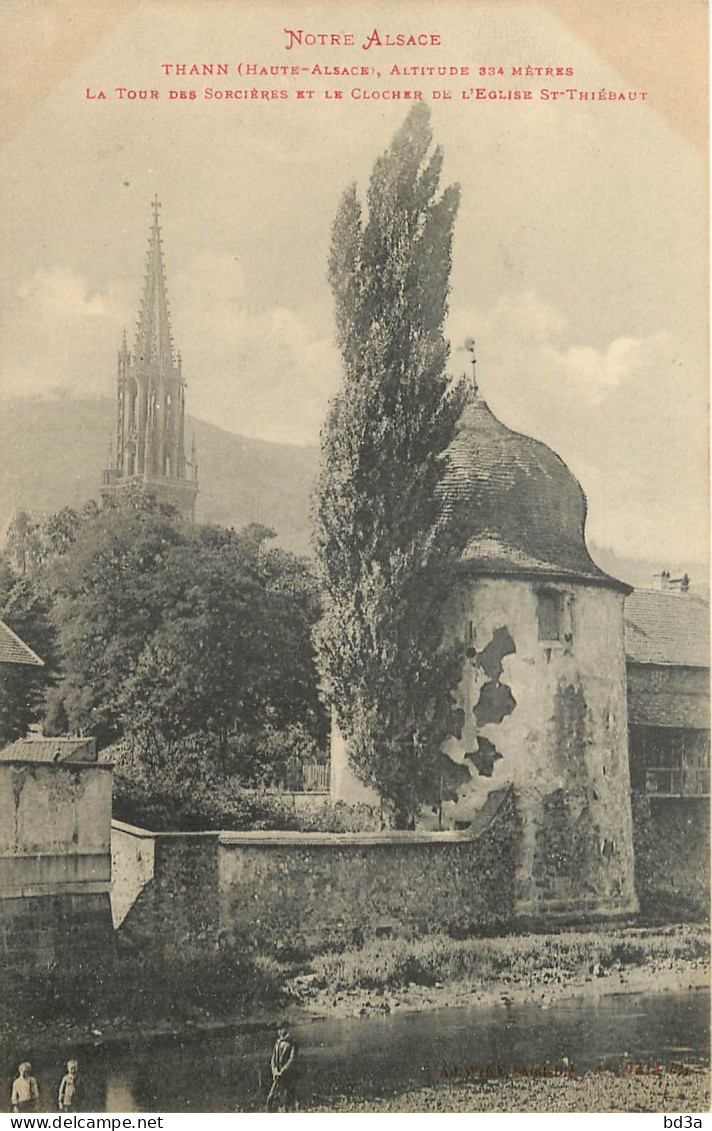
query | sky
(580,252)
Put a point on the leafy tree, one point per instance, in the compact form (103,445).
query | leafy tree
(109,589)
(275,756)
(23,688)
(169,630)
(32,539)
(385,557)
(233,653)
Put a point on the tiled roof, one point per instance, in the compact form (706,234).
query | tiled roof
(667,627)
(523,509)
(13,650)
(37,748)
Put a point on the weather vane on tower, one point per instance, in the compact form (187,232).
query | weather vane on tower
(469,345)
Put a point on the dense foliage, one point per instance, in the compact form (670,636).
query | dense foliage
(23,688)
(164,631)
(187,789)
(385,557)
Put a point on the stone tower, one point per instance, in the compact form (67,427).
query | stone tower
(150,425)
(543,688)
(542,700)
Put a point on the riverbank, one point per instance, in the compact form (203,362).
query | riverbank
(381,976)
(650,979)
(437,973)
(607,1091)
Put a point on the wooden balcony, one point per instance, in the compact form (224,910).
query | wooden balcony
(686,781)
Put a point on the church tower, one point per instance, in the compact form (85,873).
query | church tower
(150,425)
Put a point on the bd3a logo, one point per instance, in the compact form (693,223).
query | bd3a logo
(681,1121)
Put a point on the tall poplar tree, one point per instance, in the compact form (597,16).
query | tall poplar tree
(385,557)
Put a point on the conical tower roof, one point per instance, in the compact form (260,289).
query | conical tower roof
(523,510)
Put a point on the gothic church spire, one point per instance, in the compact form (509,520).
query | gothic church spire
(150,429)
(154,340)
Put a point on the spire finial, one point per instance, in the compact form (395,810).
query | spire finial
(154,341)
(470,347)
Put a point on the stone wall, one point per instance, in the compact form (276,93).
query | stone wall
(68,929)
(55,827)
(55,864)
(672,855)
(300,889)
(133,866)
(311,889)
(165,891)
(549,718)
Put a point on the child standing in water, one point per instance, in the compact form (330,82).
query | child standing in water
(25,1092)
(69,1088)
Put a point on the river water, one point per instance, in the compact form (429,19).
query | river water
(370,1056)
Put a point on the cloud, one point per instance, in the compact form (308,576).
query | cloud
(528,335)
(524,315)
(594,374)
(628,416)
(63,295)
(58,333)
(260,372)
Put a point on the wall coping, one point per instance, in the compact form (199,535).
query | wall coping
(277,837)
(397,837)
(68,765)
(149,834)
(289,792)
(631,663)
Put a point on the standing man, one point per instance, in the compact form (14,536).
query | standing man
(283,1065)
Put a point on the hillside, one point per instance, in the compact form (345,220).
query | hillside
(52,454)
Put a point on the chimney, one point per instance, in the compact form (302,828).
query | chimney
(682,584)
(666,581)
(663,579)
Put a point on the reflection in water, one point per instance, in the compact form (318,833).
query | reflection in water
(119,1094)
(377,1055)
